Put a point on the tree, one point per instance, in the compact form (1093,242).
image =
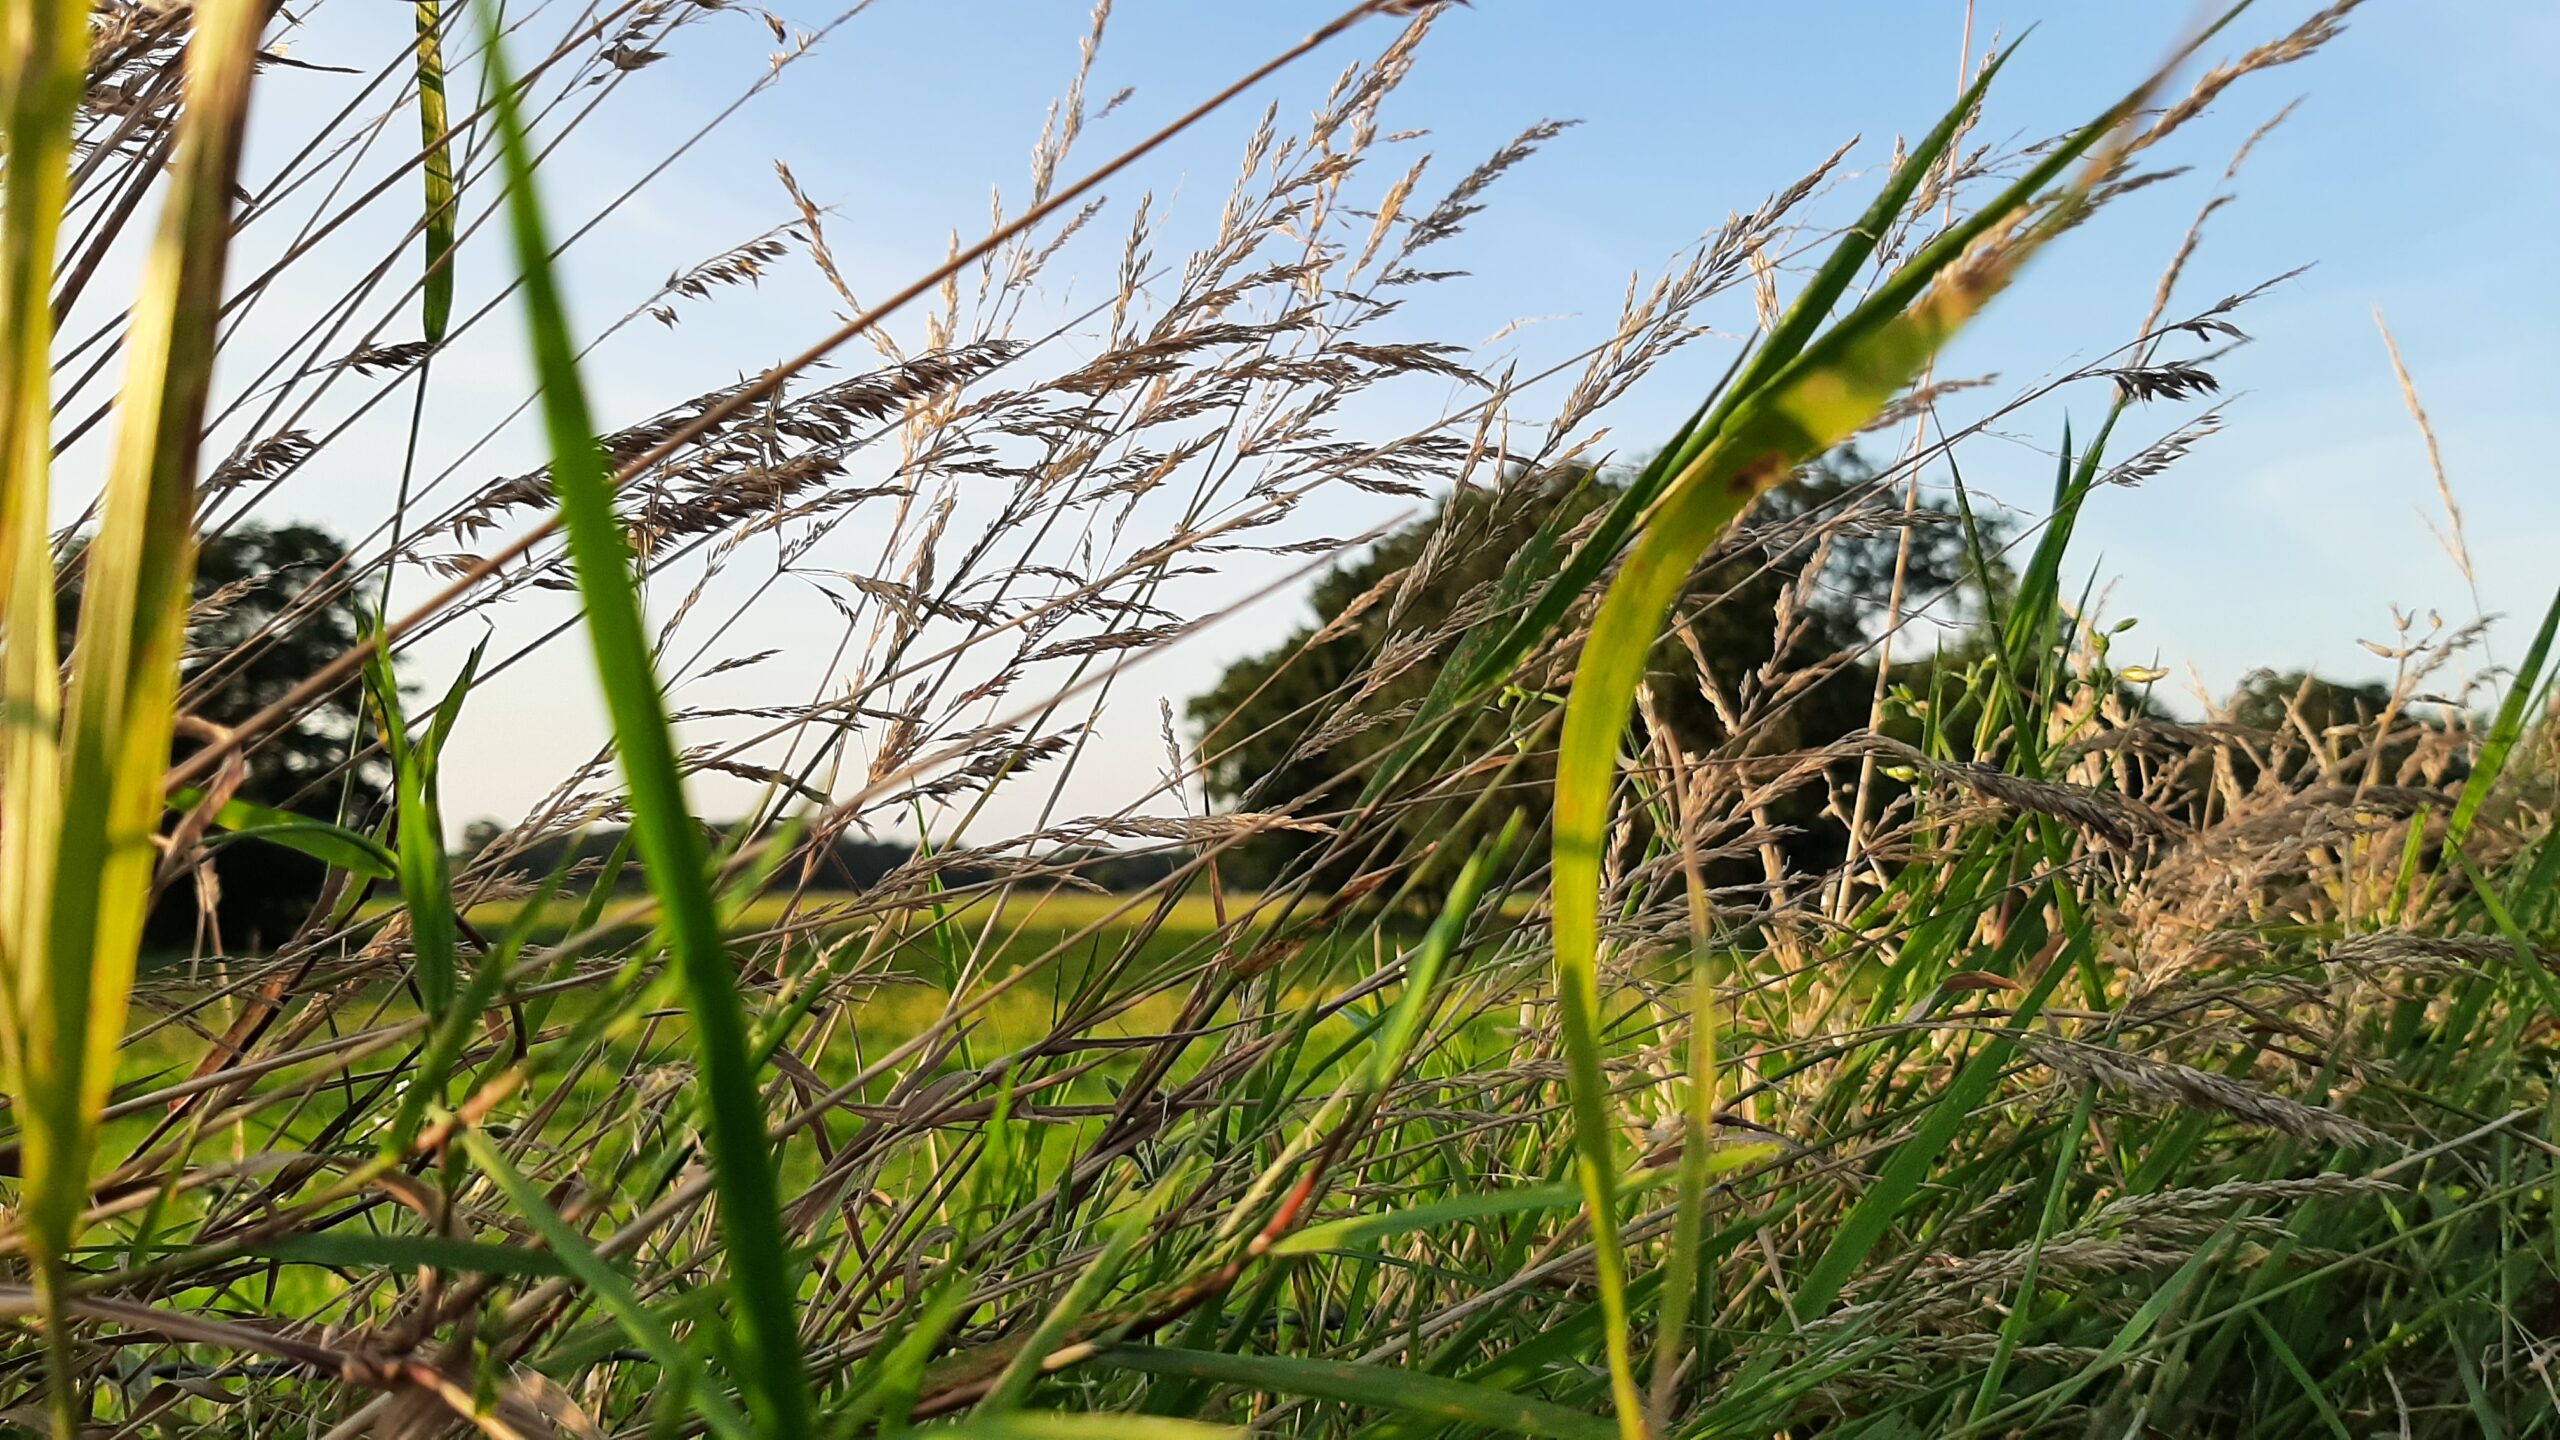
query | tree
(2275,699)
(2302,713)
(257,628)
(1295,723)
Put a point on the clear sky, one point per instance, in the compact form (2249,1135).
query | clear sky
(2420,175)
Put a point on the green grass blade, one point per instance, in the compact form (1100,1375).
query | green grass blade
(329,844)
(1358,1230)
(426,881)
(2513,715)
(2013,1326)
(2128,1337)
(891,1389)
(1409,1392)
(2301,1377)
(1394,1039)
(454,1026)
(669,841)
(1361,1229)
(1052,1425)
(611,1290)
(1907,1169)
(1124,1232)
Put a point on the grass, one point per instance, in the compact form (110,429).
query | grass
(2123,1075)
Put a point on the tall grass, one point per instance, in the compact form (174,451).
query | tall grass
(2126,1075)
(86,799)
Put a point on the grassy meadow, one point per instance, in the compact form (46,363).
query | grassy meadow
(1595,1053)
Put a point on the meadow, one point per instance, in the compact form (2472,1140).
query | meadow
(1592,1053)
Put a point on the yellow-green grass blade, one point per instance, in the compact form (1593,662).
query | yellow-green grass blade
(74,934)
(1481,663)
(1802,320)
(1807,416)
(1836,386)
(1685,1262)
(120,711)
(435,303)
(43,50)
(44,45)
(669,841)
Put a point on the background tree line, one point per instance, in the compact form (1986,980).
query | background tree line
(1794,600)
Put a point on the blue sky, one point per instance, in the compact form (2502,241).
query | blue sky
(2419,175)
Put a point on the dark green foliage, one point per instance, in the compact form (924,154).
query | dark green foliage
(2309,724)
(258,626)
(2274,699)
(262,576)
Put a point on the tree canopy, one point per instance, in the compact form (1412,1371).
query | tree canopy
(257,627)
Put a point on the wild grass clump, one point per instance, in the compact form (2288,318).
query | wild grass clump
(2108,1073)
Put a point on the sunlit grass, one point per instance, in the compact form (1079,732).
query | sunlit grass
(2112,1076)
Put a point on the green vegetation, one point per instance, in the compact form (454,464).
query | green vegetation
(1617,998)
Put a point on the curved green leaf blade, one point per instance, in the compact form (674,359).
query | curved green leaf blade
(1839,383)
(331,845)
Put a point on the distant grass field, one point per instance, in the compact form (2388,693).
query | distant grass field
(1008,923)
(977,937)
(1091,950)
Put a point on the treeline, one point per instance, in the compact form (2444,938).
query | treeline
(1772,656)
(849,863)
